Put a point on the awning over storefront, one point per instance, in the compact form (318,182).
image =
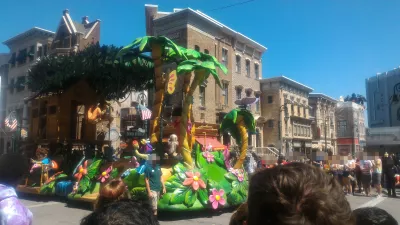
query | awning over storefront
(216,145)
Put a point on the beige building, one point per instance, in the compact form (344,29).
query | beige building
(25,49)
(322,113)
(240,54)
(284,106)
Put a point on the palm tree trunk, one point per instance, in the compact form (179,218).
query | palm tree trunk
(244,136)
(159,89)
(185,149)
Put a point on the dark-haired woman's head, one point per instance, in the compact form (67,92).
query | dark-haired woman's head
(13,167)
(297,193)
(373,216)
(114,190)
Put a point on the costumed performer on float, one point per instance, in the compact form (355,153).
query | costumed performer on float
(141,156)
(43,160)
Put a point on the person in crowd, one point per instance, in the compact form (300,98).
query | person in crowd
(388,165)
(373,216)
(377,175)
(366,175)
(13,168)
(346,180)
(154,181)
(113,191)
(297,194)
(239,217)
(358,174)
(122,212)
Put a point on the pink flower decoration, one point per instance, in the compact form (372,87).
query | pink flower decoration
(194,181)
(105,175)
(208,156)
(238,173)
(217,198)
(82,170)
(240,177)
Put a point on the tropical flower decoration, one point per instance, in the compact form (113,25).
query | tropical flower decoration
(217,198)
(82,170)
(194,180)
(105,175)
(75,187)
(239,173)
(209,156)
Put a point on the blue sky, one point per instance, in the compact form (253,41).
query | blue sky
(331,46)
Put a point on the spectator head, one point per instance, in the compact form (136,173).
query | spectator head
(13,168)
(123,212)
(240,216)
(373,216)
(297,193)
(113,191)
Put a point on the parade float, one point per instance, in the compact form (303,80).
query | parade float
(197,175)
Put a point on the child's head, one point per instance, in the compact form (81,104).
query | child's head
(114,190)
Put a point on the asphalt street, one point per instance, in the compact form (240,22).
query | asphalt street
(52,212)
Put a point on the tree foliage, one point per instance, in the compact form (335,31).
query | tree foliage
(111,77)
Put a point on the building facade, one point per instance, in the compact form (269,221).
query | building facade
(285,107)
(322,113)
(350,127)
(241,55)
(4,58)
(25,49)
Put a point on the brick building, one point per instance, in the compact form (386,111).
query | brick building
(350,127)
(322,113)
(241,55)
(285,108)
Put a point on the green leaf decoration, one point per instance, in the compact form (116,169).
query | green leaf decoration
(84,185)
(190,198)
(114,173)
(209,65)
(178,197)
(235,185)
(203,196)
(201,162)
(139,193)
(179,169)
(234,198)
(61,176)
(219,158)
(216,77)
(173,183)
(143,43)
(134,179)
(93,169)
(230,176)
(243,189)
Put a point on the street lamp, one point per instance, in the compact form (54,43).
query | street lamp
(282,108)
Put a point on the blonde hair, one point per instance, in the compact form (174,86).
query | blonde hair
(378,163)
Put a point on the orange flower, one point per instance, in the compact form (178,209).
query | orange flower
(194,181)
(82,170)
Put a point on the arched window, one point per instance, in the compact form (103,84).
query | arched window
(197,48)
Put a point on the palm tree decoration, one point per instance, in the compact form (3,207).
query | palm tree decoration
(162,49)
(202,71)
(239,122)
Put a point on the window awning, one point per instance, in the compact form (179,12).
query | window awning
(216,145)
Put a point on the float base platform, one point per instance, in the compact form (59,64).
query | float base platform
(28,190)
(90,198)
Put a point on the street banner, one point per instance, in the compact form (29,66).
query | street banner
(11,121)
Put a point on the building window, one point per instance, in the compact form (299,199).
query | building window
(238,64)
(298,110)
(206,51)
(225,92)
(291,109)
(39,52)
(11,86)
(21,58)
(197,48)
(13,60)
(247,67)
(225,57)
(31,53)
(20,85)
(270,99)
(202,95)
(304,112)
(44,50)
(341,128)
(257,70)
(270,123)
(238,93)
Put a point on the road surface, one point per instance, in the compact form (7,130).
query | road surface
(51,212)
